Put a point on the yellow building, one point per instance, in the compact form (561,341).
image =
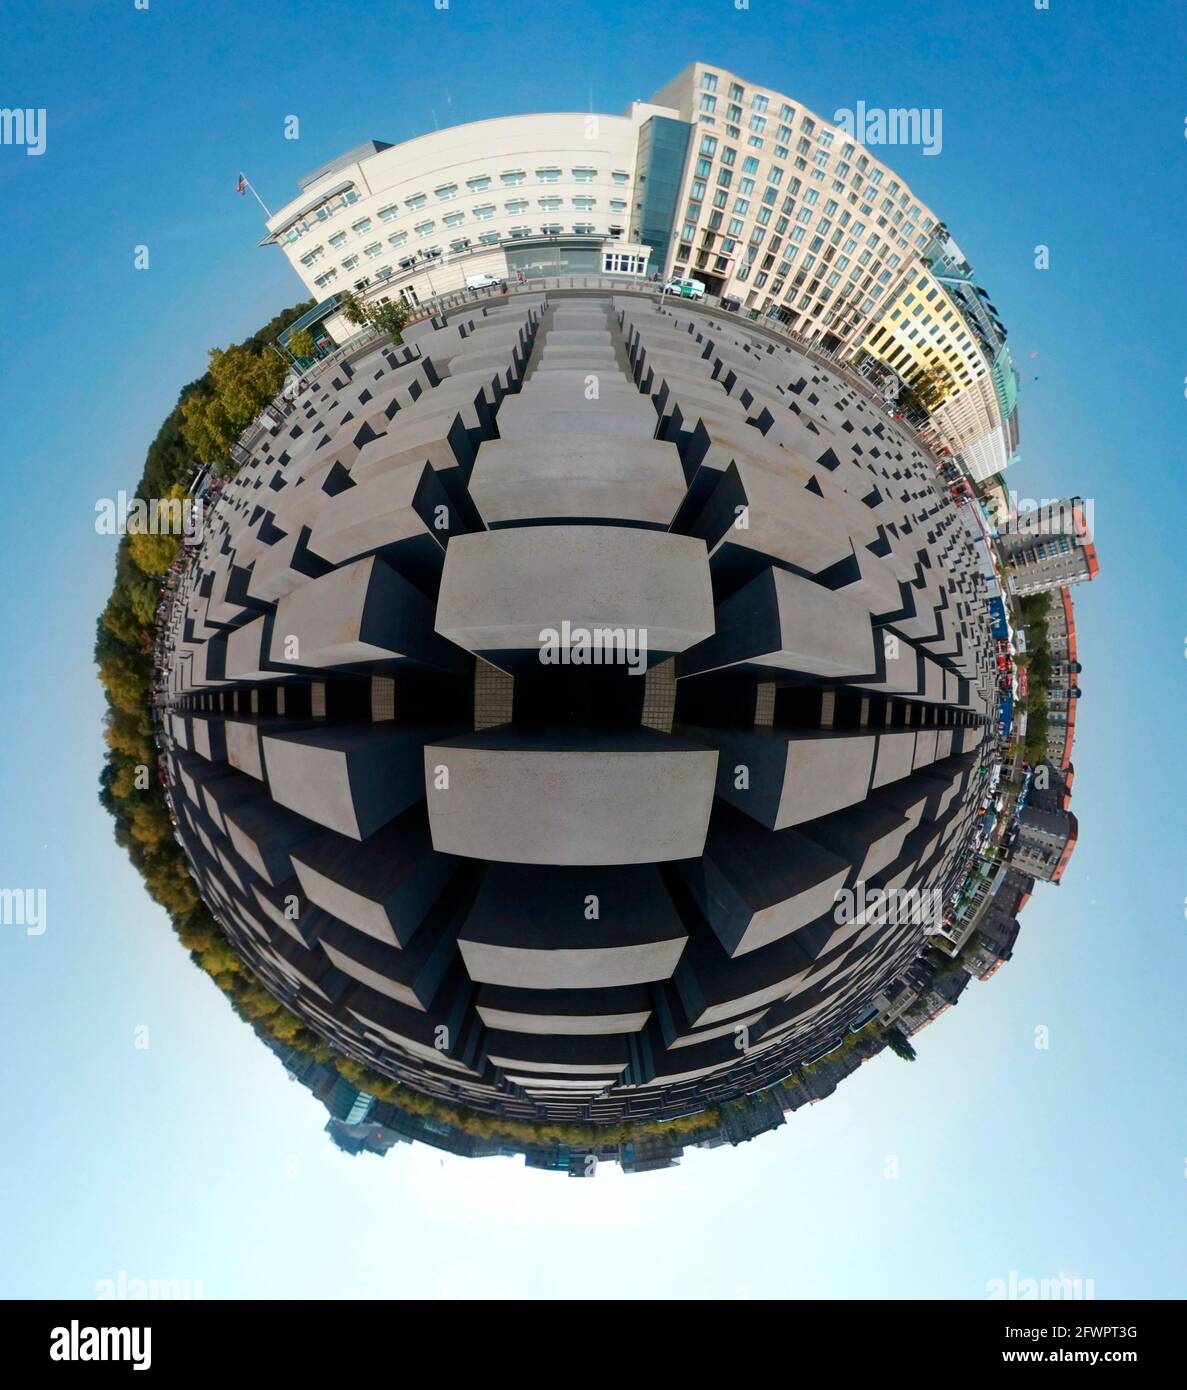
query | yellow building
(924,334)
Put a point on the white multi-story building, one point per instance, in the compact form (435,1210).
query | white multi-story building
(541,194)
(732,184)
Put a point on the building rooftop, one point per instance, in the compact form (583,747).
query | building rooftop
(343,161)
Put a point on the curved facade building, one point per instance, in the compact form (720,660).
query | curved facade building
(555,698)
(716,178)
(541,194)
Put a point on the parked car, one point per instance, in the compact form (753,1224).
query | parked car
(686,289)
(481,282)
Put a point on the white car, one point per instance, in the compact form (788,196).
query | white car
(481,282)
(687,289)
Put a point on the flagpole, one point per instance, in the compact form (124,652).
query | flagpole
(255,195)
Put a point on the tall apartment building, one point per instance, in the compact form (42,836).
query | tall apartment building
(1044,842)
(998,926)
(716,178)
(1063,684)
(941,327)
(782,209)
(1049,547)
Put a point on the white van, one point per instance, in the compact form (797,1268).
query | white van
(481,282)
(687,289)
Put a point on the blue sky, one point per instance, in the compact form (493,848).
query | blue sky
(196,1158)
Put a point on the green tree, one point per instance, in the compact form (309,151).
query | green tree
(924,392)
(206,427)
(238,384)
(301,344)
(390,317)
(125,682)
(245,381)
(154,552)
(900,1044)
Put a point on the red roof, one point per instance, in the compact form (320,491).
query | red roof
(1070,619)
(1067,849)
(1089,547)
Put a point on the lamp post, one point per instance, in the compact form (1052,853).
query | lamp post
(427,259)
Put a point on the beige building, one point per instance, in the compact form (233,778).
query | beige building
(784,210)
(545,194)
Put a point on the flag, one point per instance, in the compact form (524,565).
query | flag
(241,186)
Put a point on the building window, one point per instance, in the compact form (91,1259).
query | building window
(315,255)
(512,178)
(350,263)
(373,250)
(549,204)
(548,175)
(418,200)
(516,205)
(361,226)
(485,211)
(584,175)
(397,238)
(338,239)
(424,228)
(586,204)
(551,229)
(489,238)
(479,183)
(447,190)
(583,228)
(619,177)
(454,219)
